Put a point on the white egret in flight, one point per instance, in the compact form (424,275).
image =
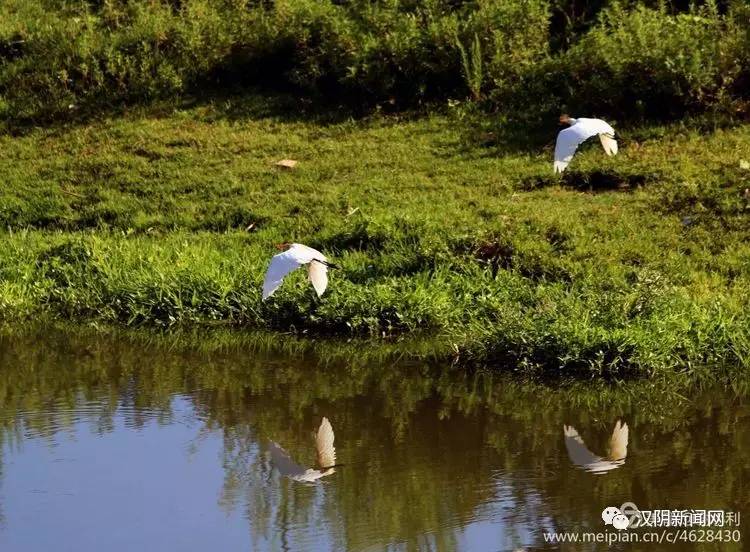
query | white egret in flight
(583,457)
(296,256)
(325,452)
(577,133)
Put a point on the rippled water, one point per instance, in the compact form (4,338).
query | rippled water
(114,446)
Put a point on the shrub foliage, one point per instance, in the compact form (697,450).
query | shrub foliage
(60,58)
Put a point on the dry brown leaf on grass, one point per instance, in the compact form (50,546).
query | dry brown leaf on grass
(286,164)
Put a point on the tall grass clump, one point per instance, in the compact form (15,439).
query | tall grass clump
(400,52)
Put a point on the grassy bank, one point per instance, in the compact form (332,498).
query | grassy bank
(164,218)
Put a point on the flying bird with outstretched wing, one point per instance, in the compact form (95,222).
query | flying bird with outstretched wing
(577,133)
(297,256)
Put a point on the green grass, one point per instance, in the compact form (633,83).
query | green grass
(631,265)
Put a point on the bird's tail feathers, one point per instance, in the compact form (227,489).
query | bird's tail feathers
(609,144)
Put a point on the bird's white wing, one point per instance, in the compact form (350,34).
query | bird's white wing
(569,139)
(283,462)
(318,274)
(583,457)
(297,255)
(577,451)
(281,265)
(305,254)
(324,445)
(605,131)
(595,126)
(618,443)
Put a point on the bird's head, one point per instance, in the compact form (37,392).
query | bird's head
(565,119)
(282,246)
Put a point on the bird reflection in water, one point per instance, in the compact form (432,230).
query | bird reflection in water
(325,457)
(584,458)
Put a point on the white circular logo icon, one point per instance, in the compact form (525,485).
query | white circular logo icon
(609,513)
(620,522)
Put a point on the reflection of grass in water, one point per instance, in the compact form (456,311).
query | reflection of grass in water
(386,416)
(323,370)
(121,222)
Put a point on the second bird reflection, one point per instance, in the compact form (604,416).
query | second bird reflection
(325,457)
(584,458)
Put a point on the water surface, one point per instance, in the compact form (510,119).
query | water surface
(112,445)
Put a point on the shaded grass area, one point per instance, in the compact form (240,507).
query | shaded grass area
(627,265)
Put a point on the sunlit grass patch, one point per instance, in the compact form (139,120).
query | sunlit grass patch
(169,221)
